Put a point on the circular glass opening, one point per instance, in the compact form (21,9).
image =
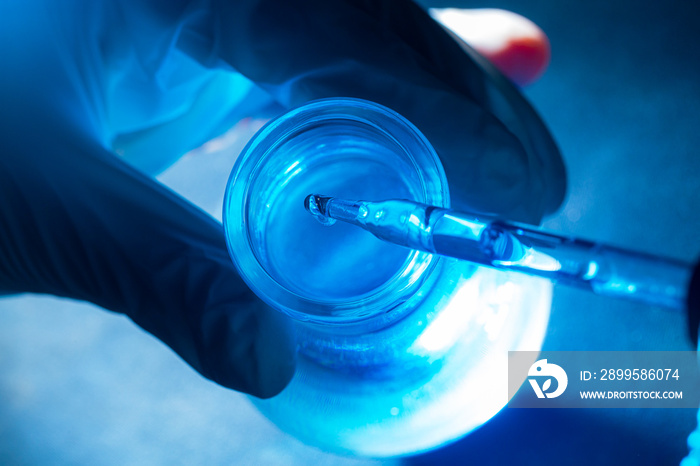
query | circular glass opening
(341,148)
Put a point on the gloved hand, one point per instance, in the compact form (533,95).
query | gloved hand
(497,154)
(149,80)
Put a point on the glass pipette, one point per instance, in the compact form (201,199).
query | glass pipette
(604,270)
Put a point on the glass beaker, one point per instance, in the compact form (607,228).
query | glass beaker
(399,351)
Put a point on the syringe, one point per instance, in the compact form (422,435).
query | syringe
(604,270)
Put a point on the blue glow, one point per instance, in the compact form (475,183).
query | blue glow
(414,220)
(533,259)
(474,226)
(591,271)
(382,386)
(424,382)
(292,167)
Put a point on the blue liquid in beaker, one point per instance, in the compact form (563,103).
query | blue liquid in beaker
(342,261)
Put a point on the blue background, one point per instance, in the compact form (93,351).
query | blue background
(82,386)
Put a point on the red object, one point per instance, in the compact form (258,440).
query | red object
(522,59)
(513,43)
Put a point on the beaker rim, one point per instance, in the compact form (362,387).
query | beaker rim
(382,303)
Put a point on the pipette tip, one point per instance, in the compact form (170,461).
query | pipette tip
(317,206)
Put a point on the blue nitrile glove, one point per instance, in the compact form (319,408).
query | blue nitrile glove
(149,80)
(77,221)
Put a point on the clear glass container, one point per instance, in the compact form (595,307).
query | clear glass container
(399,351)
